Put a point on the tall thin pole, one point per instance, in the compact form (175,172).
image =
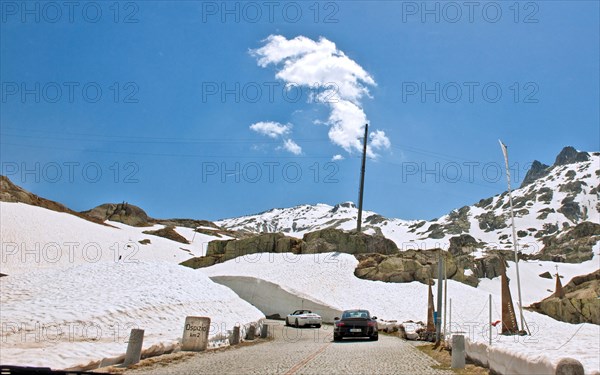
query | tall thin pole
(490,319)
(514,231)
(438,316)
(450,317)
(445,295)
(362,180)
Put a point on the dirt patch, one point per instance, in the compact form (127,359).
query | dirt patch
(444,357)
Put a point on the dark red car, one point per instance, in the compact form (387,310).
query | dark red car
(355,323)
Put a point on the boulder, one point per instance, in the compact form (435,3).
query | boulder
(169,233)
(121,212)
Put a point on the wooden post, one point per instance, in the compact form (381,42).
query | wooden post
(134,347)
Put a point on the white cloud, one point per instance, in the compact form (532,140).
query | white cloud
(271,129)
(337,157)
(305,62)
(292,147)
(379,140)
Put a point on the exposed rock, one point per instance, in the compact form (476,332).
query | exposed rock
(145,241)
(569,155)
(573,246)
(545,195)
(458,221)
(545,275)
(484,202)
(489,222)
(544,212)
(436,231)
(536,171)
(408,266)
(188,223)
(219,251)
(169,233)
(573,187)
(330,239)
(10,192)
(463,244)
(121,212)
(580,304)
(570,209)
(490,266)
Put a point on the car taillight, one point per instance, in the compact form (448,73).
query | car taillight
(339,324)
(372,324)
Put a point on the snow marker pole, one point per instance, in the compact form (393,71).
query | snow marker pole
(490,319)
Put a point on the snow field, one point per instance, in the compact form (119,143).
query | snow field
(328,279)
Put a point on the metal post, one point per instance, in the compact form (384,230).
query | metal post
(490,322)
(450,316)
(514,231)
(438,317)
(362,180)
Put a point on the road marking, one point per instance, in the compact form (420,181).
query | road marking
(303,363)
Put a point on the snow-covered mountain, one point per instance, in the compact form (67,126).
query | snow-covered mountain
(552,199)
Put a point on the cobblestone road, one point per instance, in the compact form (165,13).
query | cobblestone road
(307,351)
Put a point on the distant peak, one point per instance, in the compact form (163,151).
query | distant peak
(570,155)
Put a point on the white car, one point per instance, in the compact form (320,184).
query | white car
(303,318)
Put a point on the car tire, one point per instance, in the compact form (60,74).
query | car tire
(297,325)
(318,326)
(374,338)
(287,322)
(337,338)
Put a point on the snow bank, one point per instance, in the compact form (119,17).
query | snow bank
(328,279)
(75,316)
(34,238)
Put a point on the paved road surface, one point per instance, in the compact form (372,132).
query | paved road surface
(307,351)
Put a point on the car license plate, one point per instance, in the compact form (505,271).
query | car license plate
(355,330)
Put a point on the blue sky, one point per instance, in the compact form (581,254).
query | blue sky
(152,102)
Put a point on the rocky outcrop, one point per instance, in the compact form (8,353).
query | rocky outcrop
(328,240)
(573,245)
(121,212)
(580,304)
(219,251)
(489,222)
(569,155)
(463,244)
(168,233)
(10,192)
(408,266)
(536,171)
(490,266)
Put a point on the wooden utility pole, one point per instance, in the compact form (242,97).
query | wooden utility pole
(362,180)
